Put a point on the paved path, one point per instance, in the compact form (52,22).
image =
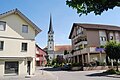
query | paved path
(57,74)
(82,75)
(38,76)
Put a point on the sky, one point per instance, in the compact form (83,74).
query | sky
(63,17)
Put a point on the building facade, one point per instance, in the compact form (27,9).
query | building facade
(40,56)
(50,42)
(17,44)
(59,50)
(86,38)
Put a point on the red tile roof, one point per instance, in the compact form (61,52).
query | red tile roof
(63,47)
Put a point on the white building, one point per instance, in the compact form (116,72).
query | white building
(50,42)
(17,44)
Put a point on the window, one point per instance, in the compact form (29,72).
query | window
(102,38)
(111,37)
(51,39)
(11,67)
(48,39)
(25,28)
(2,26)
(1,45)
(24,46)
(79,30)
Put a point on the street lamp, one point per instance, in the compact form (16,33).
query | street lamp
(42,63)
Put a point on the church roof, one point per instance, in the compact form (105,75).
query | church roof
(50,26)
(63,47)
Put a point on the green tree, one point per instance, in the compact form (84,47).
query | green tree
(66,52)
(96,6)
(112,50)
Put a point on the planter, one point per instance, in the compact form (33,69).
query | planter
(95,68)
(76,68)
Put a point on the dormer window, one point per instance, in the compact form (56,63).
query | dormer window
(24,28)
(2,25)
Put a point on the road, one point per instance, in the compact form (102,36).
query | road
(57,74)
(81,75)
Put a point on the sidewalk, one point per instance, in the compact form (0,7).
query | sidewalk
(114,76)
(39,75)
(43,75)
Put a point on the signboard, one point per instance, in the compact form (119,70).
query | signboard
(99,49)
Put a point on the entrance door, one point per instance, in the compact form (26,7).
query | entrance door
(28,67)
(11,67)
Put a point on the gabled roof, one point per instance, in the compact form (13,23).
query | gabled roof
(40,49)
(94,26)
(16,11)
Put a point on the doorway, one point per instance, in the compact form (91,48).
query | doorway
(28,67)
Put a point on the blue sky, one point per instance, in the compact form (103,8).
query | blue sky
(63,17)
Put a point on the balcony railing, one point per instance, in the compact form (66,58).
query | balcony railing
(82,42)
(37,59)
(85,50)
(79,35)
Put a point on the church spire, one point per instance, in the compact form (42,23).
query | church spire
(50,25)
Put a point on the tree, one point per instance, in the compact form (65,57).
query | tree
(96,6)
(112,50)
(66,52)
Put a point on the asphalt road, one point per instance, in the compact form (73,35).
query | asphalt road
(81,75)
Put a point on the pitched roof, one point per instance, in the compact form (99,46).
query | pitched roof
(94,26)
(41,50)
(16,11)
(63,47)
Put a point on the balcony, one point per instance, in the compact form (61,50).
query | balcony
(85,50)
(79,35)
(89,50)
(37,59)
(81,42)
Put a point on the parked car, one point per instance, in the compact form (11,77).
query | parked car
(66,67)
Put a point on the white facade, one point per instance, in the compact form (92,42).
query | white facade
(13,38)
(50,42)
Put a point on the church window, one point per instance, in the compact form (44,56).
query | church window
(51,39)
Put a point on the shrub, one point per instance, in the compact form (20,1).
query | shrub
(76,64)
(112,71)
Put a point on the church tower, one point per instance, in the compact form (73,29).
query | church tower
(50,42)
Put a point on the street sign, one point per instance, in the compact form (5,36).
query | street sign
(99,49)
